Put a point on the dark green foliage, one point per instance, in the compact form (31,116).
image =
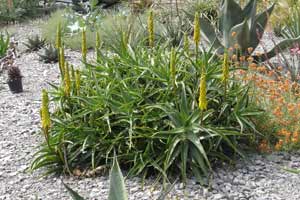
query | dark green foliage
(50,55)
(128,103)
(35,43)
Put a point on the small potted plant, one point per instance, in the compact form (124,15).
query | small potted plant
(14,79)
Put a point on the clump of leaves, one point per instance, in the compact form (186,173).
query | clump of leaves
(35,43)
(50,55)
(130,101)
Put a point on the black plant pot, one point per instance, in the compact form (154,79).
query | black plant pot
(15,85)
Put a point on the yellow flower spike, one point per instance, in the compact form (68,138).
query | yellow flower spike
(98,45)
(83,46)
(197,29)
(58,42)
(172,65)
(124,39)
(202,96)
(67,80)
(77,81)
(151,29)
(62,61)
(225,74)
(186,43)
(45,115)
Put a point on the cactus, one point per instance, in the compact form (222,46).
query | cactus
(241,27)
(14,73)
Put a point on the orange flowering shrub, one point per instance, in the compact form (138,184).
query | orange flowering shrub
(274,91)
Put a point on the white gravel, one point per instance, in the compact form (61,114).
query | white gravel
(261,177)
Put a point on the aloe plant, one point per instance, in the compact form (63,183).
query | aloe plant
(242,27)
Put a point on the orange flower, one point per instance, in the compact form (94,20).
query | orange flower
(279,145)
(233,34)
(250,49)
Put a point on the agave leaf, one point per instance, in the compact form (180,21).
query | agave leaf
(74,195)
(242,35)
(279,48)
(230,16)
(248,10)
(117,189)
(259,26)
(209,33)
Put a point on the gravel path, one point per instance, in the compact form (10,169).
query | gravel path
(261,177)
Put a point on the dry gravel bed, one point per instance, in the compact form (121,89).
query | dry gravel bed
(261,177)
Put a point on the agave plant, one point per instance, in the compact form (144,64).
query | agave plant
(117,189)
(50,55)
(242,27)
(35,43)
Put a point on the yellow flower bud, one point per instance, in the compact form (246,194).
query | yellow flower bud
(83,46)
(98,45)
(45,115)
(62,61)
(186,43)
(58,42)
(172,65)
(225,75)
(67,80)
(202,95)
(151,29)
(77,81)
(197,29)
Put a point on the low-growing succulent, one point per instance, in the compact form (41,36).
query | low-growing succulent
(14,73)
(35,43)
(50,55)
(241,28)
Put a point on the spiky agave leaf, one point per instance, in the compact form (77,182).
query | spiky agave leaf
(117,187)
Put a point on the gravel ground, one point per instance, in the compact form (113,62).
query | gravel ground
(261,177)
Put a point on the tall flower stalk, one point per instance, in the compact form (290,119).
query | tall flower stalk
(58,41)
(151,29)
(83,46)
(98,45)
(77,81)
(172,66)
(62,61)
(202,92)
(45,115)
(186,43)
(67,81)
(225,69)
(197,31)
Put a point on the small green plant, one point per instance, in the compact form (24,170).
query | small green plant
(4,44)
(50,55)
(35,43)
(292,27)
